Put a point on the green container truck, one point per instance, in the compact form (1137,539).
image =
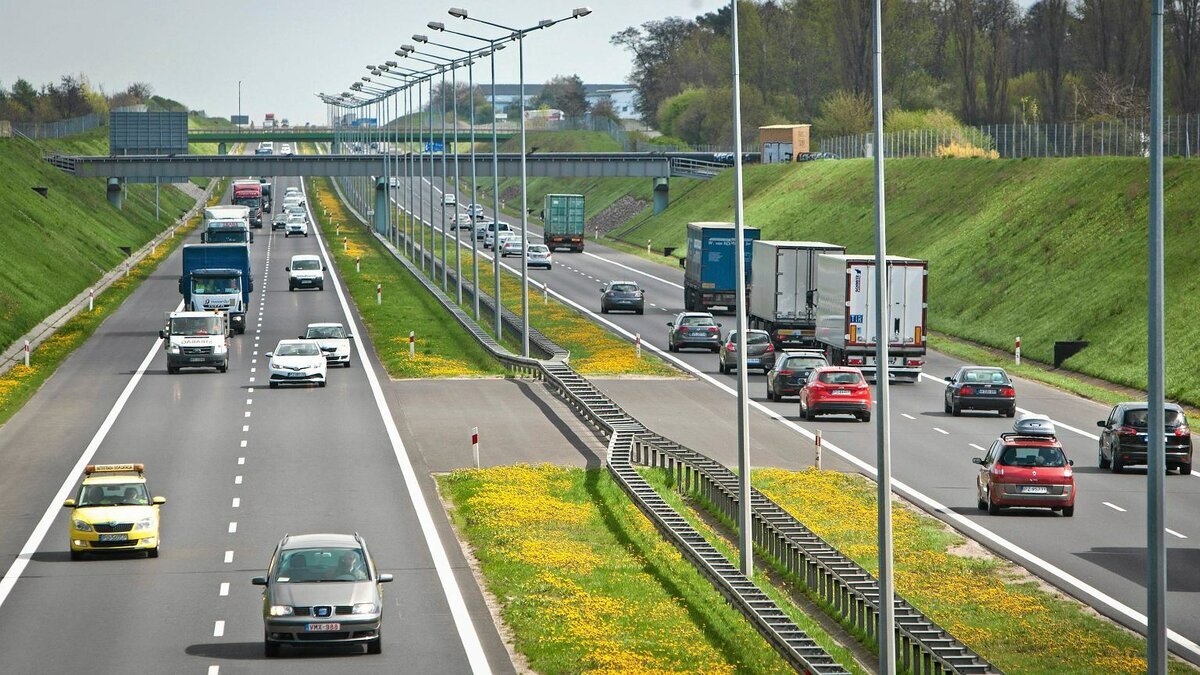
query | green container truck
(562,216)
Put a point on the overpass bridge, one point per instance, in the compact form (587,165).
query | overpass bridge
(326,135)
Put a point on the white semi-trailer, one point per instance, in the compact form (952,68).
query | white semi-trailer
(782,285)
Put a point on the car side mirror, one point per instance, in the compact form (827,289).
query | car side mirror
(671,325)
(162,334)
(977,460)
(159,501)
(269,354)
(1070,462)
(69,503)
(1102,423)
(385,578)
(323,268)
(259,581)
(287,269)
(349,336)
(949,379)
(299,337)
(718,325)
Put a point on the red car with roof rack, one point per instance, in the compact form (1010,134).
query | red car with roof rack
(1026,467)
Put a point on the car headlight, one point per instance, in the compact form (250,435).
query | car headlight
(172,349)
(220,349)
(80,525)
(366,608)
(144,524)
(280,610)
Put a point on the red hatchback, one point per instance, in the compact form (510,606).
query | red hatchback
(1026,468)
(835,390)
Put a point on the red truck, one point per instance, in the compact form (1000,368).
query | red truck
(249,193)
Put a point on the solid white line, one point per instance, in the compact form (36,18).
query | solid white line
(906,415)
(224,589)
(1173,533)
(219,629)
(51,514)
(441,562)
(237,502)
(237,480)
(228,557)
(233,527)
(941,431)
(1113,506)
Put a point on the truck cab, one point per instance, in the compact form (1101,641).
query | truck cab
(227,232)
(196,340)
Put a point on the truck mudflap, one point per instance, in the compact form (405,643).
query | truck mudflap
(906,368)
(794,337)
(562,241)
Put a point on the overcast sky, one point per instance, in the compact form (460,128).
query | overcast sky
(284,51)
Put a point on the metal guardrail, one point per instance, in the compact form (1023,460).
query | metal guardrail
(687,167)
(849,592)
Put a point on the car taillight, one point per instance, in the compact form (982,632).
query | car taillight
(967,391)
(731,347)
(914,362)
(712,329)
(1182,430)
(1126,431)
(787,372)
(770,347)
(855,360)
(1007,391)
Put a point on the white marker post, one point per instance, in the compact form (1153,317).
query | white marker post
(475,445)
(546,294)
(817,443)
(357,264)
(91,298)
(637,344)
(412,344)
(27,353)
(1018,352)
(345,244)
(379,294)
(647,246)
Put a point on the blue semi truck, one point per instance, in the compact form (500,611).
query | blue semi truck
(217,277)
(710,276)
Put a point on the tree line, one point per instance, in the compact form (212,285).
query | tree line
(959,61)
(71,96)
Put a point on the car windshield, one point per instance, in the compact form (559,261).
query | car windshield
(697,321)
(113,494)
(803,362)
(303,349)
(227,236)
(839,377)
(306,264)
(216,285)
(539,249)
(751,338)
(984,376)
(1136,417)
(196,325)
(1019,455)
(314,565)
(331,332)
(624,288)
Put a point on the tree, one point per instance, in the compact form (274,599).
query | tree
(1184,23)
(997,18)
(1048,20)
(652,46)
(604,108)
(852,34)
(964,31)
(1114,40)
(843,113)
(565,93)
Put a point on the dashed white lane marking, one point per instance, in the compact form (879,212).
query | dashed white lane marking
(233,527)
(254,370)
(247,413)
(255,353)
(245,428)
(941,431)
(1113,506)
(241,460)
(244,442)
(214,670)
(907,416)
(228,557)
(250,391)
(252,379)
(249,401)
(253,360)
(219,629)
(1173,533)
(224,589)
(978,447)
(237,502)
(237,480)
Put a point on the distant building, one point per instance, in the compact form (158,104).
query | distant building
(623,96)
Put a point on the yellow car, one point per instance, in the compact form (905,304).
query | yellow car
(114,511)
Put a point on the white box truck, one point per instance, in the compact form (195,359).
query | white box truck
(196,340)
(846,313)
(782,285)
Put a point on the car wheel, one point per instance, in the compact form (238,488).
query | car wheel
(347,364)
(1101,460)
(274,385)
(291,288)
(641,311)
(321,287)
(172,370)
(1068,511)
(375,646)
(770,394)
(955,410)
(865,417)
(152,552)
(992,508)
(224,367)
(321,383)
(1117,465)
(980,503)
(76,555)
(1012,412)
(721,367)
(1185,469)
(305,235)
(716,350)
(603,309)
(270,649)
(946,407)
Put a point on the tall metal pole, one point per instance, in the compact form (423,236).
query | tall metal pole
(497,311)
(883,451)
(745,541)
(524,207)
(239,103)
(454,225)
(421,171)
(474,193)
(1156,545)
(445,233)
(432,168)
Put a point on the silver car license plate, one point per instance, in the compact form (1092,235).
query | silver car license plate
(1035,489)
(322,627)
(989,392)
(114,537)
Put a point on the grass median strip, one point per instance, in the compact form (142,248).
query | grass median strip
(995,607)
(443,347)
(585,582)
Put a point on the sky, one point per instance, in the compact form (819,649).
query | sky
(284,52)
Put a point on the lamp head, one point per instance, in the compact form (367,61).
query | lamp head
(580,12)
(407,49)
(458,12)
(436,25)
(391,64)
(420,38)
(545,23)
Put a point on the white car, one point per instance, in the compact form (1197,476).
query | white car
(333,340)
(475,211)
(463,221)
(292,190)
(306,271)
(489,233)
(538,255)
(509,245)
(296,224)
(448,199)
(297,362)
(286,149)
(293,199)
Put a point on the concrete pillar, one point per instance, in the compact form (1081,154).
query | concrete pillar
(115,195)
(381,197)
(661,190)
(221,149)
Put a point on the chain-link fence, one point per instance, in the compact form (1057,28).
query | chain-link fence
(1108,138)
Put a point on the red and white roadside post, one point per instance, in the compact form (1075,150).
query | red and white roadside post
(357,263)
(637,344)
(817,441)
(27,353)
(412,344)
(545,294)
(379,294)
(475,445)
(91,298)
(345,244)
(1018,350)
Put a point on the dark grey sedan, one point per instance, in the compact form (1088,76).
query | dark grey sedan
(790,372)
(694,329)
(322,589)
(760,352)
(622,295)
(980,388)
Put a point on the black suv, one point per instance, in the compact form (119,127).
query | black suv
(1123,439)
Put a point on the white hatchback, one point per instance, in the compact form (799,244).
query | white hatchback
(333,340)
(297,362)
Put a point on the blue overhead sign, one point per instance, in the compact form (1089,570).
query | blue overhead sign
(435,147)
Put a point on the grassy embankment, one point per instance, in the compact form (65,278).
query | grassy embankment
(443,347)
(1050,249)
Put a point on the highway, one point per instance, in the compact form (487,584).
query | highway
(240,466)
(1098,555)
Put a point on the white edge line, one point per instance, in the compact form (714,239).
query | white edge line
(39,531)
(441,562)
(1173,533)
(1113,506)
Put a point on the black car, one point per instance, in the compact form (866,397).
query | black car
(791,369)
(980,388)
(1123,439)
(694,329)
(760,351)
(622,295)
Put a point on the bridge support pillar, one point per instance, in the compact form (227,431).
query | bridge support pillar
(221,149)
(116,197)
(661,194)
(381,206)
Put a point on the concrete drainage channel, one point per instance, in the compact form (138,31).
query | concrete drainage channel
(849,593)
